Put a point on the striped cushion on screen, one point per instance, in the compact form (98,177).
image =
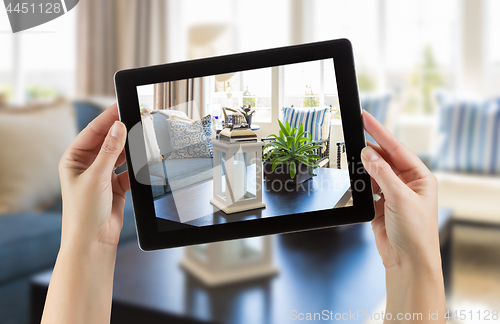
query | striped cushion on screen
(470,132)
(312,118)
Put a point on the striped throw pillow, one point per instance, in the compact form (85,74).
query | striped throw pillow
(470,133)
(377,106)
(312,118)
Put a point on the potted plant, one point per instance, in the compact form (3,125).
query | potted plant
(290,156)
(247,111)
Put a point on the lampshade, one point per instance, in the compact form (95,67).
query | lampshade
(208,40)
(225,82)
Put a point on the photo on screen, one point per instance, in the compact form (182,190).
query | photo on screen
(245,145)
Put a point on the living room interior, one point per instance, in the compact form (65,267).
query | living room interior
(210,100)
(428,70)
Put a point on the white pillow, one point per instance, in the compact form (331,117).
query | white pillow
(32,141)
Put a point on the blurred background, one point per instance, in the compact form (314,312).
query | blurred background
(438,62)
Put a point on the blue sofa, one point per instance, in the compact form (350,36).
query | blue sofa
(29,243)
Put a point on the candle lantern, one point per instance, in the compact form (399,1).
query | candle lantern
(237,176)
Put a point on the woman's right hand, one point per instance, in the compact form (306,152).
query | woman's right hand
(405,227)
(406,220)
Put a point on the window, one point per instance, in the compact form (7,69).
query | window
(357,20)
(261,24)
(492,49)
(244,88)
(6,60)
(493,26)
(421,50)
(39,63)
(408,47)
(230,27)
(310,85)
(303,84)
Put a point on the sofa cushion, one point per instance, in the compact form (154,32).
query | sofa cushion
(32,141)
(188,140)
(472,197)
(29,242)
(470,135)
(161,130)
(85,113)
(206,123)
(377,106)
(313,120)
(15,301)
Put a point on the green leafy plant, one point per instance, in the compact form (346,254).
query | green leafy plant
(292,147)
(247,111)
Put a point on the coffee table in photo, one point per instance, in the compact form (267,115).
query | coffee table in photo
(328,189)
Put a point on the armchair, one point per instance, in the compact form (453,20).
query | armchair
(316,121)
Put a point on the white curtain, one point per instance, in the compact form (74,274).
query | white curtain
(183,95)
(152,149)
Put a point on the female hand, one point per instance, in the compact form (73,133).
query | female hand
(81,286)
(93,195)
(406,222)
(405,226)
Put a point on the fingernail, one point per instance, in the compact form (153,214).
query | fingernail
(116,130)
(369,154)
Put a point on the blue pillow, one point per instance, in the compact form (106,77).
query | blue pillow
(470,132)
(377,106)
(312,118)
(85,113)
(206,122)
(190,140)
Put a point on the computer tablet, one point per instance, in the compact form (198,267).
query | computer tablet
(245,145)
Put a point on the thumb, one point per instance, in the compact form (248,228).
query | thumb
(111,148)
(381,172)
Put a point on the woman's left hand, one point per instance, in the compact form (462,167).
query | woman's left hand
(93,195)
(81,287)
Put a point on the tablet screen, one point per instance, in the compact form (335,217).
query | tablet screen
(246,145)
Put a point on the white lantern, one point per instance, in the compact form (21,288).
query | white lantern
(237,176)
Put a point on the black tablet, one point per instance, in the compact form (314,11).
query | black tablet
(245,145)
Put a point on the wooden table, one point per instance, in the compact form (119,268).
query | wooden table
(329,189)
(337,269)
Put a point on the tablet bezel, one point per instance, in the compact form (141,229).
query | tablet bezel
(126,82)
